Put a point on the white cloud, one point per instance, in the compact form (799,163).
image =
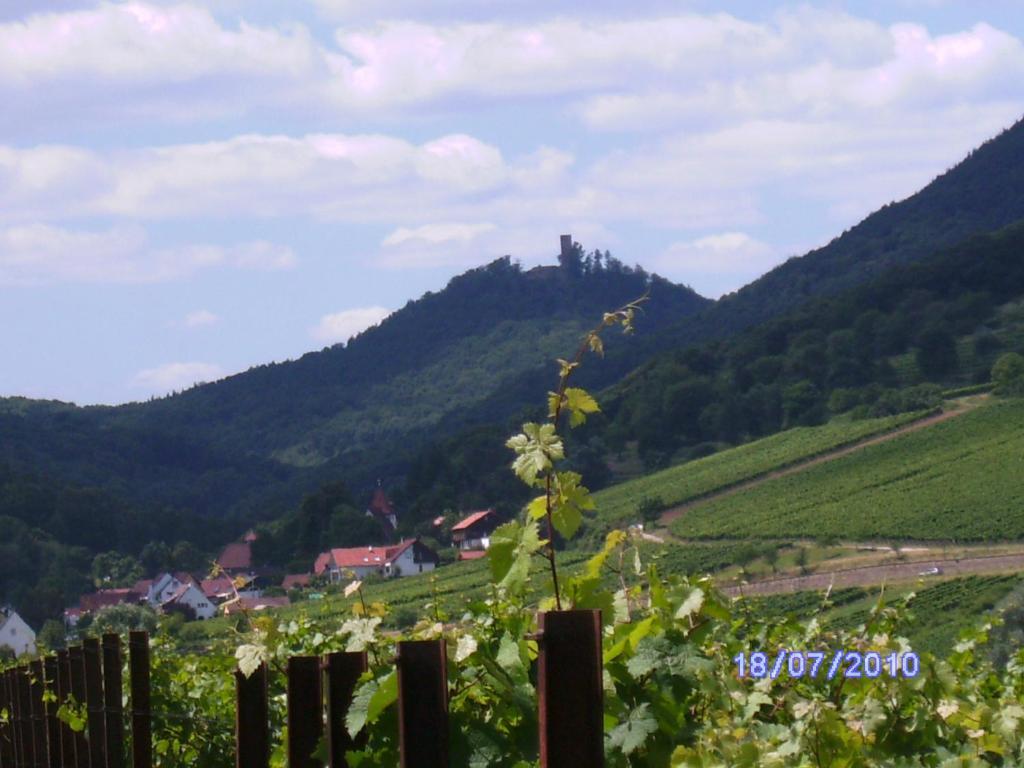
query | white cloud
(201,318)
(342,326)
(176,376)
(716,264)
(41,253)
(138,42)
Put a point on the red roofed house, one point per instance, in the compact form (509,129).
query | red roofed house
(296,580)
(107,597)
(237,556)
(404,559)
(473,532)
(190,600)
(381,509)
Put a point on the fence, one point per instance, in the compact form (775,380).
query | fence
(319,692)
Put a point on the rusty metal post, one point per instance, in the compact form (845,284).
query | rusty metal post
(67,736)
(6,728)
(423,704)
(52,723)
(35,672)
(76,657)
(305,711)
(113,710)
(94,701)
(28,754)
(343,672)
(570,689)
(142,724)
(252,720)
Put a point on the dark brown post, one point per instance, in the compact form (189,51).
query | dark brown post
(76,657)
(52,724)
(67,736)
(570,689)
(423,704)
(36,682)
(94,701)
(142,725)
(28,753)
(113,710)
(305,711)
(6,728)
(343,672)
(252,720)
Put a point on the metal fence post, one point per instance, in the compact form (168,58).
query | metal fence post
(570,689)
(142,725)
(343,672)
(252,720)
(305,711)
(423,704)
(94,702)
(113,710)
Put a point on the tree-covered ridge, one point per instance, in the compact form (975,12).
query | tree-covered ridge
(982,193)
(244,442)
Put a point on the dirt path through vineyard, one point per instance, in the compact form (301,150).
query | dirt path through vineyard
(873,575)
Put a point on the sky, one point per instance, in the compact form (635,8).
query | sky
(190,189)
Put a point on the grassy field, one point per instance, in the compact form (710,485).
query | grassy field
(676,485)
(958,480)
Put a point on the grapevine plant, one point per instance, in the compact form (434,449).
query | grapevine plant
(673,697)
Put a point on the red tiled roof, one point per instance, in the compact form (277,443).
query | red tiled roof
(360,557)
(142,586)
(236,556)
(472,519)
(222,585)
(107,597)
(296,580)
(472,554)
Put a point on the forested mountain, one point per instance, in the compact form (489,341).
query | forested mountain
(982,193)
(253,441)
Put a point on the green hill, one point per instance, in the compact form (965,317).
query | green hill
(959,480)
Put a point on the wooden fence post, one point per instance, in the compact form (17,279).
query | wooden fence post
(94,702)
(67,736)
(52,724)
(252,720)
(7,728)
(343,672)
(142,726)
(423,704)
(76,657)
(24,710)
(305,711)
(113,709)
(570,689)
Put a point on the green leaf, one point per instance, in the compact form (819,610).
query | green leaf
(691,604)
(570,500)
(537,446)
(579,402)
(631,735)
(370,699)
(250,657)
(508,653)
(510,552)
(538,508)
(361,633)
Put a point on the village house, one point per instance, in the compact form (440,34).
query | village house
(190,600)
(15,634)
(404,559)
(236,558)
(472,534)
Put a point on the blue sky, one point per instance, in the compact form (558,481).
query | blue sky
(190,189)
